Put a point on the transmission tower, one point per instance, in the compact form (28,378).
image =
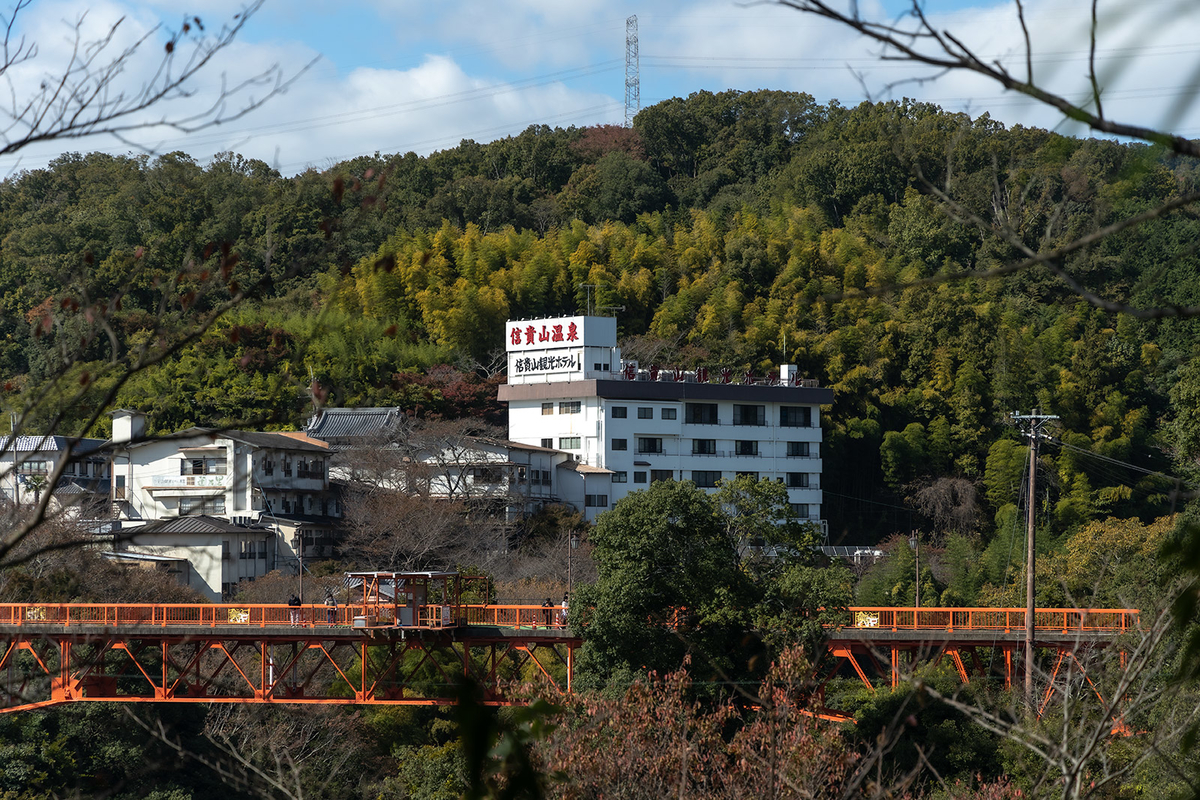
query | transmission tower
(633,90)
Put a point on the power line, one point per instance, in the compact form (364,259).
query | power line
(457,137)
(331,120)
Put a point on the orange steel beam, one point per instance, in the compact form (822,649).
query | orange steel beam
(55,652)
(214,667)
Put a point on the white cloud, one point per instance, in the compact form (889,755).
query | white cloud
(327,115)
(469,69)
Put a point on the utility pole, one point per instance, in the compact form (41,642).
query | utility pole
(1036,421)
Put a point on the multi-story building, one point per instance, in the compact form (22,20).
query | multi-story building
(371,449)
(28,463)
(209,554)
(626,426)
(277,480)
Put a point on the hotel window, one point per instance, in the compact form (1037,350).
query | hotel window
(749,415)
(568,443)
(190,506)
(618,412)
(547,409)
(569,407)
(797,480)
(669,413)
(620,477)
(704,447)
(800,510)
(647,444)
(645,413)
(701,413)
(746,448)
(639,477)
(548,444)
(620,444)
(798,449)
(706,478)
(795,417)
(661,475)
(595,501)
(202,466)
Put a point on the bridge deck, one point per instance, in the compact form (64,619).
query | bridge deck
(260,653)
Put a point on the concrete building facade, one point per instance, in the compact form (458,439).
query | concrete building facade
(569,389)
(278,482)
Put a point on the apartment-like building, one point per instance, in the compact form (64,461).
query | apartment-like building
(28,465)
(370,447)
(278,482)
(625,426)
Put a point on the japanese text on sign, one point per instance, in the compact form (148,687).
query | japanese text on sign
(545,364)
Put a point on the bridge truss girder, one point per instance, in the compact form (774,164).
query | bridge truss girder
(43,669)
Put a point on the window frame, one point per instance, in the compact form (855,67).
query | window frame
(795,417)
(641,448)
(699,413)
(759,415)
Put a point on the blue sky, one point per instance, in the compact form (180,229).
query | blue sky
(399,75)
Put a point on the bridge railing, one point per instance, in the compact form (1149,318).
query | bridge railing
(260,615)
(1061,620)
(515,616)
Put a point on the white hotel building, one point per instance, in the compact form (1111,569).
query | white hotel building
(626,426)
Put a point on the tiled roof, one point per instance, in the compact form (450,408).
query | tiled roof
(354,423)
(69,486)
(263,439)
(201,523)
(48,444)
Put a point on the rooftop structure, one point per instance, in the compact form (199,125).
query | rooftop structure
(569,388)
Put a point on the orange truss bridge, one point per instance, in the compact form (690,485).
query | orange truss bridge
(51,654)
(401,651)
(980,642)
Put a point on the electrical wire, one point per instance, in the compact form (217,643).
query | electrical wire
(220,135)
(456,138)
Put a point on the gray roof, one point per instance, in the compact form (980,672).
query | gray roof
(49,444)
(271,441)
(201,523)
(302,519)
(69,486)
(332,424)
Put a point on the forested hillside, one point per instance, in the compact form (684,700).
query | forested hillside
(740,229)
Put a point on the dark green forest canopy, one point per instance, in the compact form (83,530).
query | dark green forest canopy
(735,228)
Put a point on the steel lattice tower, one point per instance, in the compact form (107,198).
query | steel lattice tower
(633,94)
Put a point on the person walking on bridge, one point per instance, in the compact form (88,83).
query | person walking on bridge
(331,607)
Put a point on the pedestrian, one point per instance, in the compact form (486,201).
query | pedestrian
(562,615)
(294,609)
(547,612)
(331,607)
